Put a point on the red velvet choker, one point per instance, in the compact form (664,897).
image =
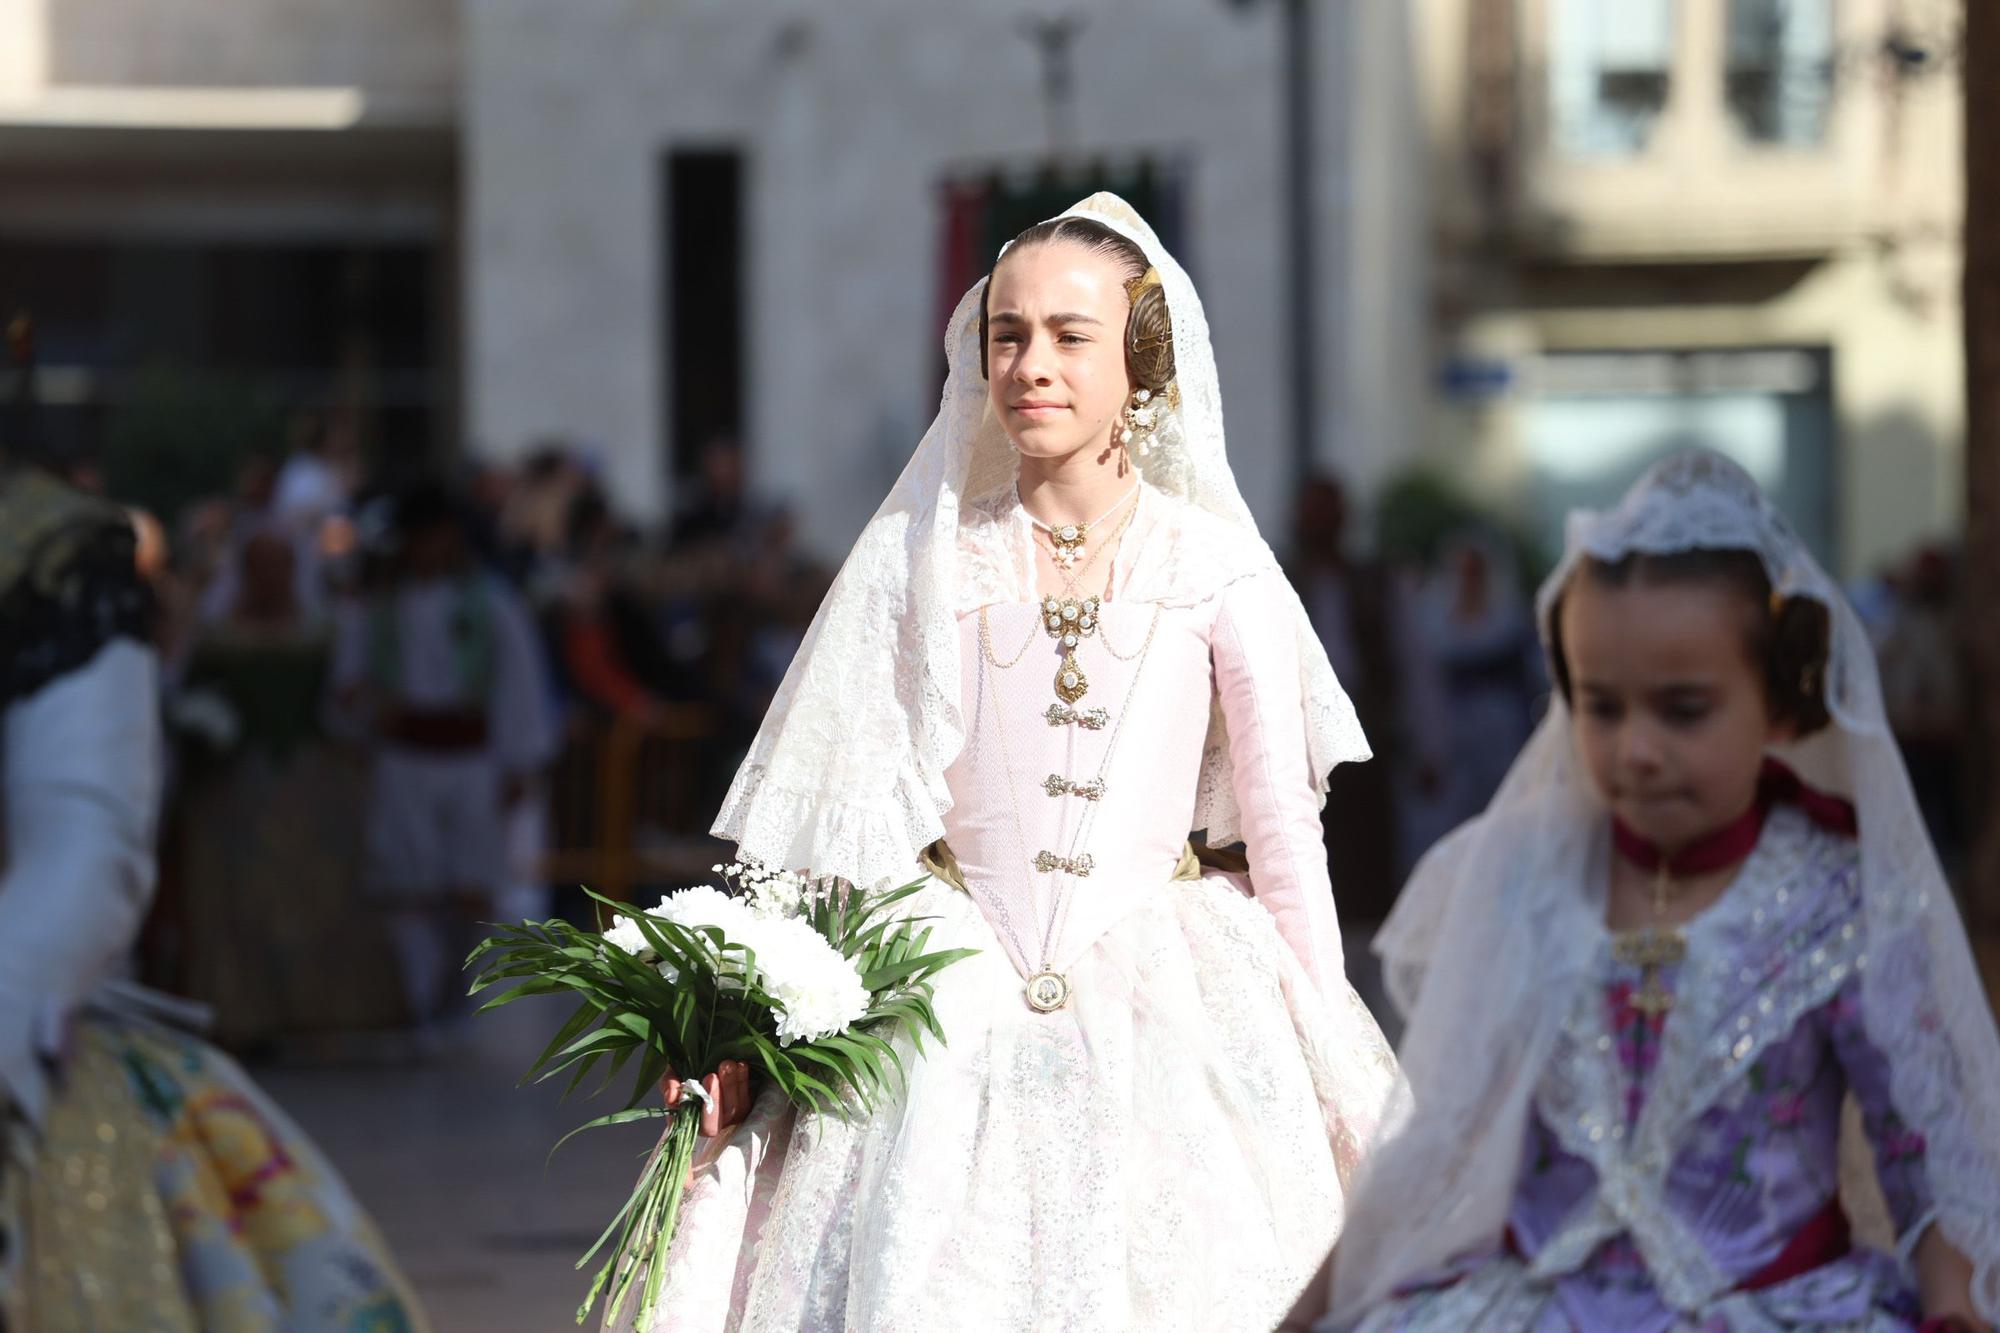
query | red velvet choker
(1738,838)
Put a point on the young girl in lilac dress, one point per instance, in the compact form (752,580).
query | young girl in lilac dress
(1699,917)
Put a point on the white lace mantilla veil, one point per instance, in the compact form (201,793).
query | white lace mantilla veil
(1513,884)
(846,775)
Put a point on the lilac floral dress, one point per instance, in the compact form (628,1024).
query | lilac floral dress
(1681,1171)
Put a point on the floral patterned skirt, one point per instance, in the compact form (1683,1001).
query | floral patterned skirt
(1862,1292)
(167,1194)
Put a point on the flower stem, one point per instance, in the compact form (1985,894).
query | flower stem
(650,1234)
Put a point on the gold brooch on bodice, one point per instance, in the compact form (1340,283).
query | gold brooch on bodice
(1058,785)
(1069,622)
(1090,719)
(1079,866)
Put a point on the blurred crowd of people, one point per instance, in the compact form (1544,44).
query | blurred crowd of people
(1913,612)
(370,687)
(1439,653)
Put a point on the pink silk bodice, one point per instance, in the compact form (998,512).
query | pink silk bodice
(1234,650)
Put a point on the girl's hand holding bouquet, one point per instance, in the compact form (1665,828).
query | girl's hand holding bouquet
(805,983)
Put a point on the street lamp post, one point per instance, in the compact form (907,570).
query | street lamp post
(1295,34)
(1054,37)
(1299,162)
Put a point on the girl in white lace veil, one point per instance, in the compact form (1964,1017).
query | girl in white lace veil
(1500,927)
(846,775)
(1156,1081)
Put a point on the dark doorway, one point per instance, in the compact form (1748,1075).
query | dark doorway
(704,303)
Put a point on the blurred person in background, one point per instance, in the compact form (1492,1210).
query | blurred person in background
(145,1182)
(610,652)
(532,528)
(1474,632)
(718,511)
(438,668)
(489,486)
(313,493)
(1357,608)
(782,587)
(267,825)
(215,531)
(203,547)
(1923,665)
(322,473)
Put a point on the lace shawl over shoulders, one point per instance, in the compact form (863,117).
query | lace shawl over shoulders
(993,564)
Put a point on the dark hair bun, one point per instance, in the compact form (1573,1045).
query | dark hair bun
(1800,642)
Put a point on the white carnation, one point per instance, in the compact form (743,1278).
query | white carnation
(625,933)
(705,905)
(818,991)
(702,906)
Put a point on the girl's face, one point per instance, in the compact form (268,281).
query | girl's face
(1055,348)
(1671,716)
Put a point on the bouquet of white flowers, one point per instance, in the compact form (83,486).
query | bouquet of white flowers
(808,981)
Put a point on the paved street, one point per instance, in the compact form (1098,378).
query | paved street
(450,1157)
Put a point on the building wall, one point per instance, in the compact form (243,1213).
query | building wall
(1375,290)
(848,126)
(210,119)
(526,138)
(152,156)
(401,53)
(1870,220)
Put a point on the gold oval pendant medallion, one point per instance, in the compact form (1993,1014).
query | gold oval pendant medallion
(1071,683)
(1047,992)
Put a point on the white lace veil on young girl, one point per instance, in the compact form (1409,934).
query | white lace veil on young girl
(1487,944)
(846,775)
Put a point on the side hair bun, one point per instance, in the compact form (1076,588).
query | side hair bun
(1149,334)
(1800,642)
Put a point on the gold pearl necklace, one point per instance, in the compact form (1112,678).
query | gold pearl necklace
(1067,541)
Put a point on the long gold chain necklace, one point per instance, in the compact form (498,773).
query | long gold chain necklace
(986,642)
(1104,638)
(1047,990)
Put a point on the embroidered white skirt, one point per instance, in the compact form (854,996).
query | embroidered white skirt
(1166,1152)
